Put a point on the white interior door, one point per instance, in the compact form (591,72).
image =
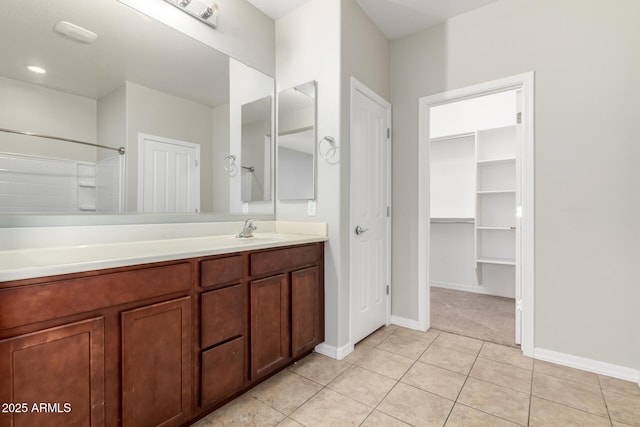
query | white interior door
(369,237)
(169,175)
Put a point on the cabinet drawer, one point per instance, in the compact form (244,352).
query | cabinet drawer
(216,272)
(282,259)
(222,315)
(51,300)
(222,371)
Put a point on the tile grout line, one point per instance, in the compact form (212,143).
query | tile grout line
(396,380)
(604,399)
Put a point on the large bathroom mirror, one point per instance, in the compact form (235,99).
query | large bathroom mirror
(255,167)
(121,80)
(296,142)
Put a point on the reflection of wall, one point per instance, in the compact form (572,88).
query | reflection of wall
(253,155)
(293,172)
(32,108)
(159,114)
(220,178)
(297,119)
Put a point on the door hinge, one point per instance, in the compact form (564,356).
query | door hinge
(519,304)
(388,211)
(387,289)
(519,118)
(388,133)
(196,163)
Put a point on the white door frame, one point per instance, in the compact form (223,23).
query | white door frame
(141,138)
(357,86)
(524,82)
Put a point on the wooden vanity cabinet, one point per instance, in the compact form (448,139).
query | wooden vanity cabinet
(287,306)
(63,366)
(115,345)
(156,364)
(223,330)
(270,325)
(159,344)
(307,310)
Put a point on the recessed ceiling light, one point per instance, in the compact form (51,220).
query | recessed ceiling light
(36,69)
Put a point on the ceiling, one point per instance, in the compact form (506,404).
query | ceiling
(395,18)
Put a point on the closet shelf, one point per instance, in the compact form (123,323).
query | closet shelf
(500,261)
(450,137)
(496,191)
(504,160)
(501,227)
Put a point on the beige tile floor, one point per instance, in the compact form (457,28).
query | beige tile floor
(400,377)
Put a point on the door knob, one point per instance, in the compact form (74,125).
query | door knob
(360,230)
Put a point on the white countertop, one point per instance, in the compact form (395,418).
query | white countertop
(16,264)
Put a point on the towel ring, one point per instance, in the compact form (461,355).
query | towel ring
(230,164)
(327,148)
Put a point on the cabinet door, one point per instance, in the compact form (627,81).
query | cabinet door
(61,368)
(156,364)
(223,371)
(270,329)
(305,310)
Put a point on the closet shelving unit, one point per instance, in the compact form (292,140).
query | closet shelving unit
(495,230)
(473,210)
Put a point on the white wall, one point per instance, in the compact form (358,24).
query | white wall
(329,41)
(243,32)
(365,56)
(32,108)
(585,56)
(308,48)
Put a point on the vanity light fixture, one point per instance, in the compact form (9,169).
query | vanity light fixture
(203,10)
(36,69)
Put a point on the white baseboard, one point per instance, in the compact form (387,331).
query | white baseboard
(590,365)
(469,288)
(337,353)
(405,323)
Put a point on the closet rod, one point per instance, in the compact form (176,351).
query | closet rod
(120,150)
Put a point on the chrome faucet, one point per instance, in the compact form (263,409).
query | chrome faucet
(247,229)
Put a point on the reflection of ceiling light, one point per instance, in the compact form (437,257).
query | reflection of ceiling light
(75,32)
(204,10)
(36,69)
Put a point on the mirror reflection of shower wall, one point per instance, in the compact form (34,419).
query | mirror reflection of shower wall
(296,142)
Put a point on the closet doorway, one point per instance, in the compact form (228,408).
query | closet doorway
(476,211)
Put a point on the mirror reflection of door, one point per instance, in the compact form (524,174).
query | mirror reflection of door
(255,159)
(169,179)
(296,142)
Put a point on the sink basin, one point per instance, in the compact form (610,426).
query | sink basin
(254,239)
